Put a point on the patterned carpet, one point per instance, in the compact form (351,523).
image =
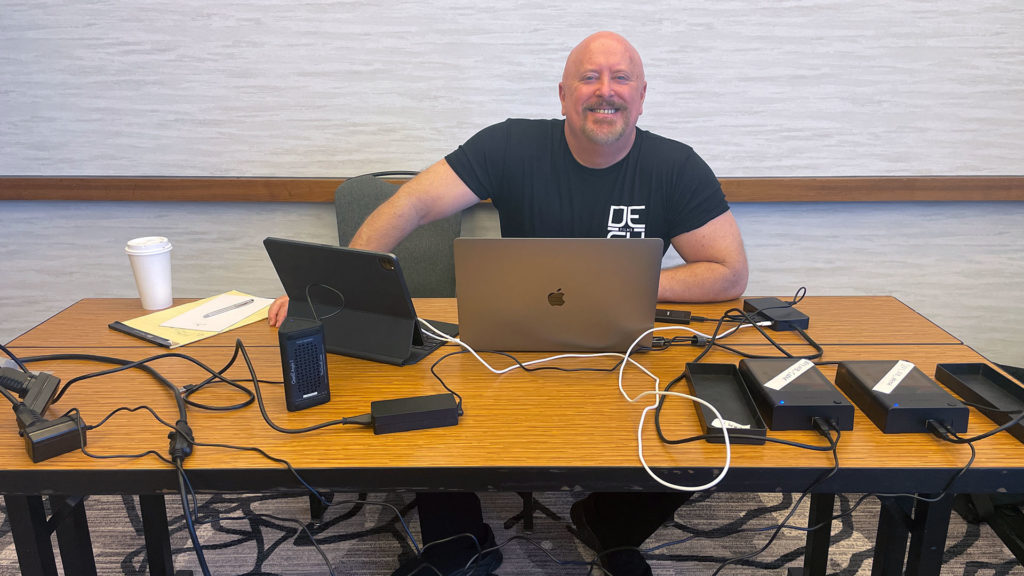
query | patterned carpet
(252,535)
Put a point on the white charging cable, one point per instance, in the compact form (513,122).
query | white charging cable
(658,392)
(453,340)
(643,416)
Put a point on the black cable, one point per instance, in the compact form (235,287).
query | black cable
(939,430)
(433,370)
(807,338)
(796,505)
(123,365)
(81,436)
(819,351)
(127,409)
(263,409)
(178,442)
(286,463)
(210,445)
(195,499)
(188,519)
(393,508)
(14,358)
(183,446)
(302,527)
(800,293)
(734,434)
(312,309)
(660,343)
(139,363)
(1009,424)
(713,341)
(10,397)
(219,376)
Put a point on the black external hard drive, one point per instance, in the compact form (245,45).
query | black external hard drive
(790,393)
(898,397)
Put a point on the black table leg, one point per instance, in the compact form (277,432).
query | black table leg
(31,535)
(892,535)
(530,505)
(158,535)
(68,520)
(928,536)
(819,540)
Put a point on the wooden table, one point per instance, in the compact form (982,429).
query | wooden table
(521,431)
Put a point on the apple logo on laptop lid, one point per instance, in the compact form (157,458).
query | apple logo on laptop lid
(556,298)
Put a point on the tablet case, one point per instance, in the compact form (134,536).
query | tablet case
(360,297)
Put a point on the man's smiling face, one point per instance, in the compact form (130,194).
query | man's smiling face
(602,90)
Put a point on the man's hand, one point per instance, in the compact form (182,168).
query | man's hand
(278,311)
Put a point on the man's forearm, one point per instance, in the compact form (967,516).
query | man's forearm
(701,282)
(385,227)
(435,193)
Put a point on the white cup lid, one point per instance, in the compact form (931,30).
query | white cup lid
(148,245)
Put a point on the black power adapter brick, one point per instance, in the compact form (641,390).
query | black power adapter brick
(415,413)
(782,315)
(899,398)
(48,438)
(790,394)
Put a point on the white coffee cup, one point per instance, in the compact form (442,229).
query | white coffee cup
(151,263)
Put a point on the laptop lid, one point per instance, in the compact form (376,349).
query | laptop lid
(359,296)
(556,294)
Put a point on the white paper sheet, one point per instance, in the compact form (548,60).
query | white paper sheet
(218,314)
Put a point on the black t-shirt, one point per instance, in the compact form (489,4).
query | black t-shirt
(661,189)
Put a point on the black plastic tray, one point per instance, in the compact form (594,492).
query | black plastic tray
(981,384)
(722,386)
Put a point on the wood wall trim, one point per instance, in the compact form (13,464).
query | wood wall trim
(800,189)
(876,189)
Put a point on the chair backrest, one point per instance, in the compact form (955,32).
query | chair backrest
(425,255)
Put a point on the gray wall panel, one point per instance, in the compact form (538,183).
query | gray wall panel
(791,88)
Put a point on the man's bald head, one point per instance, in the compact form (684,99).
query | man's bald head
(602,93)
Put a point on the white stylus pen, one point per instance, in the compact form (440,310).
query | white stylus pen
(229,308)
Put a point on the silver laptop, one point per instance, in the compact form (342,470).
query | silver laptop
(556,294)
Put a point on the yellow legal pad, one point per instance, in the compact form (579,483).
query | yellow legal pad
(150,328)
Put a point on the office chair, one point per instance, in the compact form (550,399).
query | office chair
(427,260)
(425,256)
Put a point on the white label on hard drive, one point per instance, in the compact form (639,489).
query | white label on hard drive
(789,374)
(728,424)
(892,379)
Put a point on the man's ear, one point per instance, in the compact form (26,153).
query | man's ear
(561,96)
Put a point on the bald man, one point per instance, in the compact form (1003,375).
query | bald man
(593,174)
